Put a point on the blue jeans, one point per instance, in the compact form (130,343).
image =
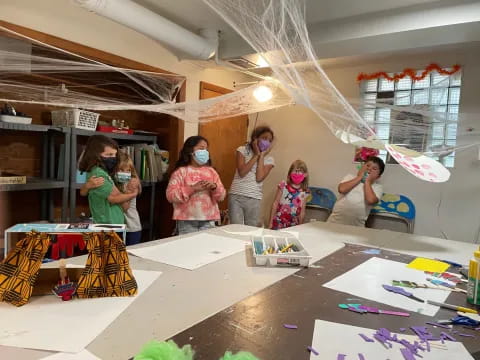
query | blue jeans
(133,237)
(190,226)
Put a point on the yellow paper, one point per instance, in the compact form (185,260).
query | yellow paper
(428,265)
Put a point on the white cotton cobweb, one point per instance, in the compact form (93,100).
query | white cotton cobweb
(424,117)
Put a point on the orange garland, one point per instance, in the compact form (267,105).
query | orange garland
(409,72)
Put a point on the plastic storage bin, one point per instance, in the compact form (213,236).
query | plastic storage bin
(80,119)
(260,244)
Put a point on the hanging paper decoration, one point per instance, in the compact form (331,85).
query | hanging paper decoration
(423,167)
(412,73)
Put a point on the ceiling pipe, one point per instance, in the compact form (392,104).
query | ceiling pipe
(134,16)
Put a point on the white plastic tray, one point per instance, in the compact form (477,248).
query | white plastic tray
(16,119)
(300,257)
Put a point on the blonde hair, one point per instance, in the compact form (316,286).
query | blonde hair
(125,161)
(299,164)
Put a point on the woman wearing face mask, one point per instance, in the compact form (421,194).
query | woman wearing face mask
(195,188)
(99,161)
(253,166)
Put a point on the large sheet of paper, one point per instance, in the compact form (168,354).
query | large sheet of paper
(331,339)
(366,281)
(82,355)
(47,323)
(191,252)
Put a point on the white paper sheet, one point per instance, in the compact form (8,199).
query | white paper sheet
(82,355)
(47,323)
(331,339)
(191,252)
(366,281)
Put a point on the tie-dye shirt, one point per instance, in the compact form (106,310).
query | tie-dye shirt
(190,205)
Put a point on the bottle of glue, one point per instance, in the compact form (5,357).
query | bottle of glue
(473,287)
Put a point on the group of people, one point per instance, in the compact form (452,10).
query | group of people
(195,188)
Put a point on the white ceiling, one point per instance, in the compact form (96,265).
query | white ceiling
(340,28)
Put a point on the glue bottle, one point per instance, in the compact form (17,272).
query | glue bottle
(473,287)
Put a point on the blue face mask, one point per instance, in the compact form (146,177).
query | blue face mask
(201,156)
(124,177)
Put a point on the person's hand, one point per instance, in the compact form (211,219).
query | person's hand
(211,186)
(94,182)
(200,186)
(133,184)
(266,152)
(255,148)
(373,176)
(362,171)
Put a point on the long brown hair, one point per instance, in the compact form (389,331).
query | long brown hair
(91,156)
(299,164)
(185,155)
(259,131)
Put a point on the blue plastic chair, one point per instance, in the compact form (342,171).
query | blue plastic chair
(396,206)
(321,198)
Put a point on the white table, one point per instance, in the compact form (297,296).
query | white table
(181,298)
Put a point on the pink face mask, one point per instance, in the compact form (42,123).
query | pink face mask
(297,178)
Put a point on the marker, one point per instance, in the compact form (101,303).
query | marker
(453,307)
(451,263)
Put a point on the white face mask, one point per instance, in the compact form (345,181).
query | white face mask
(124,176)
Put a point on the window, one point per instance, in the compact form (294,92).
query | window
(436,93)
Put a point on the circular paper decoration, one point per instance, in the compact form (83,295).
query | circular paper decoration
(421,166)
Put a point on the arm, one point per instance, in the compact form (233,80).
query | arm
(116,197)
(302,211)
(346,186)
(125,205)
(262,169)
(245,167)
(370,196)
(274,207)
(218,190)
(92,183)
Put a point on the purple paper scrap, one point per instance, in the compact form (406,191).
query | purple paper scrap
(289,326)
(366,338)
(312,350)
(341,356)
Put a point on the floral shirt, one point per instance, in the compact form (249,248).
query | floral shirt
(289,207)
(190,205)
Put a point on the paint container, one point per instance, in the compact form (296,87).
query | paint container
(473,288)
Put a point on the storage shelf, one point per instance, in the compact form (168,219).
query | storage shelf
(147,138)
(34,183)
(30,127)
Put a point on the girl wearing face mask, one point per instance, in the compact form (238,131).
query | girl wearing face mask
(99,160)
(128,181)
(288,208)
(195,188)
(253,166)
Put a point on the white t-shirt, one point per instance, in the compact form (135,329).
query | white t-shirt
(132,219)
(248,185)
(351,208)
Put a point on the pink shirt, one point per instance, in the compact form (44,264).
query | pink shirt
(190,205)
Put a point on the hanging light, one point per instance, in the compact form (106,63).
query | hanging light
(262,93)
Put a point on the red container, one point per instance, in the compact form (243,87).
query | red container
(112,129)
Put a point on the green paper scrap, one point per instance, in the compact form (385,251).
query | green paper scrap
(168,350)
